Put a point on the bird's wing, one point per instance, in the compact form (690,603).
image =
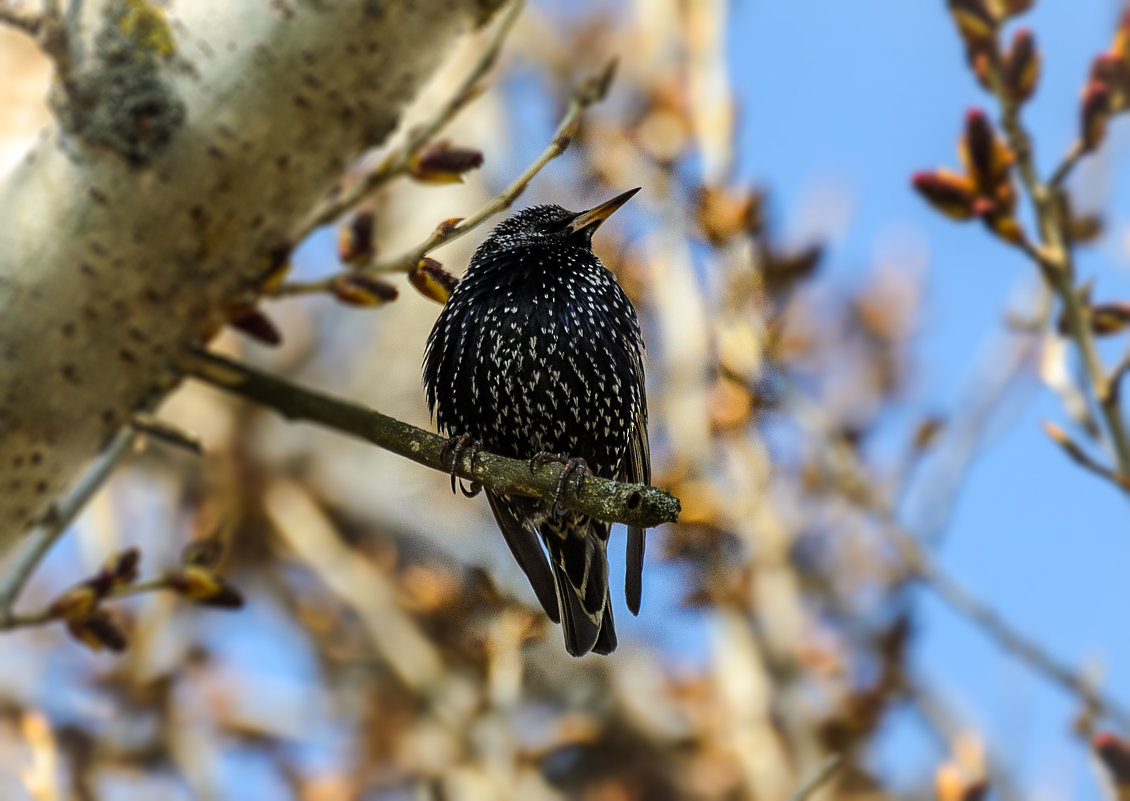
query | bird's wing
(527,552)
(637,469)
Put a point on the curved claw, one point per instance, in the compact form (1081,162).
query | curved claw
(456,445)
(470,492)
(570,465)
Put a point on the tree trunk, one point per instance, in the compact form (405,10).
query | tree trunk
(185,150)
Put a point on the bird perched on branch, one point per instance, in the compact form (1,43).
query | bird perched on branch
(538,355)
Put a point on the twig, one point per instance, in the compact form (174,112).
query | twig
(48,615)
(399,161)
(24,21)
(1076,453)
(611,501)
(821,776)
(997,628)
(592,91)
(845,464)
(1055,260)
(1065,167)
(165,432)
(40,540)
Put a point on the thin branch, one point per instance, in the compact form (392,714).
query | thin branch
(1074,154)
(165,432)
(1056,263)
(1076,453)
(591,91)
(399,161)
(39,541)
(849,473)
(611,501)
(24,21)
(823,774)
(48,615)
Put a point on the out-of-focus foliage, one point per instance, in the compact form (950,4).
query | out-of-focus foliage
(389,647)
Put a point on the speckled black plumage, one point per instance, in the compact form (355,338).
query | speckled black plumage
(539,350)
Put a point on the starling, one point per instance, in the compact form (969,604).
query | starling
(538,355)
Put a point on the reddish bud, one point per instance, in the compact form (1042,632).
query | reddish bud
(1109,318)
(205,552)
(355,243)
(986,157)
(97,632)
(1021,69)
(361,289)
(1005,226)
(975,21)
(439,163)
(948,192)
(257,325)
(1094,113)
(432,281)
(1010,8)
(121,568)
(1114,753)
(200,584)
(77,603)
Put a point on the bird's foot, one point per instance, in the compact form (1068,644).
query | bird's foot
(574,466)
(455,446)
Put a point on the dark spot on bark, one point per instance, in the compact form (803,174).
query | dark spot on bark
(97,248)
(216,153)
(127,356)
(98,197)
(70,374)
(17,462)
(226,132)
(89,312)
(308,58)
(36,458)
(282,162)
(257,222)
(301,101)
(311,80)
(634,500)
(41,488)
(136,334)
(87,270)
(108,417)
(151,295)
(68,330)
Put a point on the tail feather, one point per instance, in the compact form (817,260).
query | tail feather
(527,551)
(577,549)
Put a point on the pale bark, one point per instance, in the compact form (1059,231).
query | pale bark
(183,154)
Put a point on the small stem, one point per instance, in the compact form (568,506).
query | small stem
(399,161)
(40,540)
(592,91)
(1057,266)
(823,774)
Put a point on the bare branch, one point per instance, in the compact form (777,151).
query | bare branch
(591,91)
(40,540)
(1056,264)
(399,161)
(1076,453)
(820,777)
(611,501)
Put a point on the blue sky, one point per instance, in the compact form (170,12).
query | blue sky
(854,97)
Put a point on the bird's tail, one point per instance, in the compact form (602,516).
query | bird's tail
(577,548)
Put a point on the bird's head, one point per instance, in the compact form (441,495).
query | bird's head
(549,225)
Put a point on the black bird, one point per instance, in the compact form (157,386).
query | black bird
(538,355)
